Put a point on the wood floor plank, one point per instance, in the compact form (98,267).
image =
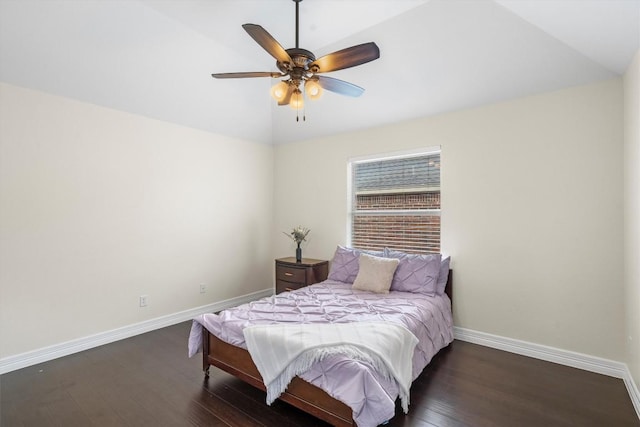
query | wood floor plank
(239,393)
(148,380)
(232,416)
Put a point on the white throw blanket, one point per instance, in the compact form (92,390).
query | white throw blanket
(282,351)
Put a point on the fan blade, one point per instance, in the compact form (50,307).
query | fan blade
(287,98)
(339,86)
(346,58)
(245,75)
(268,43)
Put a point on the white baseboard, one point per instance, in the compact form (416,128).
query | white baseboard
(30,358)
(555,355)
(634,394)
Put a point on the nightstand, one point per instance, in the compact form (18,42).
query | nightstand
(292,275)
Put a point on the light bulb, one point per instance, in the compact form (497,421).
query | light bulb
(313,89)
(297,101)
(279,91)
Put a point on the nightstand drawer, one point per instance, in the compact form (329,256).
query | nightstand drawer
(289,274)
(282,286)
(292,275)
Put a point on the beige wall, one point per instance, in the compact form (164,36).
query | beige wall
(98,207)
(532,211)
(632,214)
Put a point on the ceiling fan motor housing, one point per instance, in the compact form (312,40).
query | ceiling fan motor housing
(300,57)
(299,70)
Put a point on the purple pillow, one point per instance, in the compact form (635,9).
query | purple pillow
(345,264)
(415,273)
(444,275)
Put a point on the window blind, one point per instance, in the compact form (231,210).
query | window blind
(396,204)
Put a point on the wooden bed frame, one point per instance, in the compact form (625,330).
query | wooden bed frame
(301,394)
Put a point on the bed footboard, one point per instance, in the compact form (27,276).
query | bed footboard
(301,394)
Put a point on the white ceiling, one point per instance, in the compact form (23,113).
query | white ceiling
(155,57)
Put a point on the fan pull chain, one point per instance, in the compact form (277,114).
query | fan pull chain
(304,109)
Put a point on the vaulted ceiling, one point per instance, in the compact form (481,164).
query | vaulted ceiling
(155,57)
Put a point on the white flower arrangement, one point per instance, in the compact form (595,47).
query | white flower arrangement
(298,234)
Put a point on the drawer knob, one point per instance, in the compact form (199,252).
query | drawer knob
(288,274)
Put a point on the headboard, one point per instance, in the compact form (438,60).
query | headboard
(449,287)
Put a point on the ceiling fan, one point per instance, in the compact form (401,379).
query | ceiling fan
(300,67)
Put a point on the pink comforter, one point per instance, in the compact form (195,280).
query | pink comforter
(370,396)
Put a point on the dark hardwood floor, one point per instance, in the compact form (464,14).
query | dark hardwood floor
(149,381)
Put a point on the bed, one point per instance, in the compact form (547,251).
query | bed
(337,389)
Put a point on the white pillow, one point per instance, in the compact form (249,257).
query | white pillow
(375,274)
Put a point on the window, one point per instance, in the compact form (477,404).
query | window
(395,203)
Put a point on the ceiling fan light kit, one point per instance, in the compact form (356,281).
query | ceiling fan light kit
(300,67)
(313,89)
(279,90)
(297,100)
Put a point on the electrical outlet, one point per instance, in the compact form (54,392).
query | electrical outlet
(143,300)
(203,288)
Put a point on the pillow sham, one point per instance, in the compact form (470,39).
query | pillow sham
(415,273)
(375,274)
(443,276)
(345,264)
